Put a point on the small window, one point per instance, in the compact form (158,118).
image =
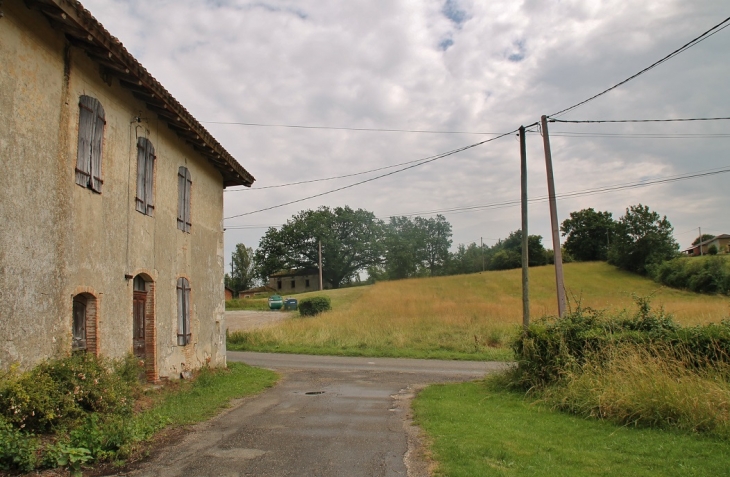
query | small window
(184,184)
(91,135)
(278,284)
(293,284)
(183,311)
(306,283)
(79,324)
(145,176)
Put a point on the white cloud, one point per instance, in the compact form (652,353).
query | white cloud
(444,65)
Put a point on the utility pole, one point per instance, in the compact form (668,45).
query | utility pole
(554,218)
(700,229)
(481,241)
(525,237)
(321,283)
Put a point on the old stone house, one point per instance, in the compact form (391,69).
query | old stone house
(111,198)
(721,243)
(296,281)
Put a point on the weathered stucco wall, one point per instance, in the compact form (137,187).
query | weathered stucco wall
(60,238)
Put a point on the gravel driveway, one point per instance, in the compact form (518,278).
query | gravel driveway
(245,320)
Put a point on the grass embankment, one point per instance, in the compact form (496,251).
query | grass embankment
(478,429)
(463,316)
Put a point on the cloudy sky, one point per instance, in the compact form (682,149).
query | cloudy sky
(460,66)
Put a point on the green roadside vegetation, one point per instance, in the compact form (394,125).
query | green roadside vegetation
(592,393)
(81,410)
(481,429)
(471,317)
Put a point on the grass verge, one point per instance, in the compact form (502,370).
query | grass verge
(479,429)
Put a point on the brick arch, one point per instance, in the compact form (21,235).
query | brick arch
(92,302)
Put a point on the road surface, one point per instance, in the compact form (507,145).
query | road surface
(328,416)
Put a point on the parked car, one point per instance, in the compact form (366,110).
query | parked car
(276,302)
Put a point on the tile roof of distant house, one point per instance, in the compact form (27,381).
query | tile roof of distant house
(85,32)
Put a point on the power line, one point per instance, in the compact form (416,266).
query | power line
(639,136)
(597,121)
(335,177)
(434,158)
(717,28)
(511,203)
(335,128)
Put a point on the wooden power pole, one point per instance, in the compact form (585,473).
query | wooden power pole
(554,218)
(321,283)
(525,241)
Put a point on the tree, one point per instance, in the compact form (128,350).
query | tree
(703,238)
(641,239)
(512,248)
(436,242)
(243,270)
(351,242)
(587,234)
(466,259)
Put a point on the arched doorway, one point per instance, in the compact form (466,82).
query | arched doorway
(84,323)
(143,324)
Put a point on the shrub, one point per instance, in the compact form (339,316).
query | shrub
(314,306)
(712,250)
(701,275)
(18,450)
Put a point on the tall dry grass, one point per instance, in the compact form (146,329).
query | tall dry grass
(633,385)
(471,316)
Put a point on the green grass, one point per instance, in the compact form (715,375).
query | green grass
(212,390)
(477,430)
(464,316)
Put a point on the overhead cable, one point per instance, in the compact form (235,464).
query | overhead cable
(297,126)
(433,158)
(597,121)
(720,26)
(511,203)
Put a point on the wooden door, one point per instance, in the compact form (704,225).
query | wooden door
(140,298)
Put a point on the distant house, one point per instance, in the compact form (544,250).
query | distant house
(229,293)
(111,198)
(721,242)
(258,291)
(296,281)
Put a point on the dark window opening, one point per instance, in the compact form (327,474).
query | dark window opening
(183,311)
(293,284)
(184,184)
(91,138)
(278,284)
(145,201)
(79,324)
(306,283)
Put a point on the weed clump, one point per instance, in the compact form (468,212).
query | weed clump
(314,306)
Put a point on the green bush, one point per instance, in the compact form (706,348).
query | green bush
(315,305)
(701,275)
(59,393)
(18,450)
(552,347)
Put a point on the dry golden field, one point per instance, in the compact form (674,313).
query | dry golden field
(468,316)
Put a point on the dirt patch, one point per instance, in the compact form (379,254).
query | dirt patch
(246,320)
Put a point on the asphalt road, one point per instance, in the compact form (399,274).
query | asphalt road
(328,416)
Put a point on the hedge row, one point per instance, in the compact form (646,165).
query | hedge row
(315,305)
(551,347)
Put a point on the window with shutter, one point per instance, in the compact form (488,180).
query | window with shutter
(184,185)
(145,202)
(183,311)
(79,323)
(91,138)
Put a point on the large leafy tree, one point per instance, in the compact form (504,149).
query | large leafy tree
(467,259)
(404,248)
(703,238)
(587,233)
(243,273)
(351,242)
(507,253)
(641,238)
(436,233)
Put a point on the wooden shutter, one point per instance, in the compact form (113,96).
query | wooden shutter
(184,185)
(141,168)
(96,148)
(149,178)
(87,107)
(183,311)
(145,202)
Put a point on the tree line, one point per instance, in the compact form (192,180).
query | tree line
(355,242)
